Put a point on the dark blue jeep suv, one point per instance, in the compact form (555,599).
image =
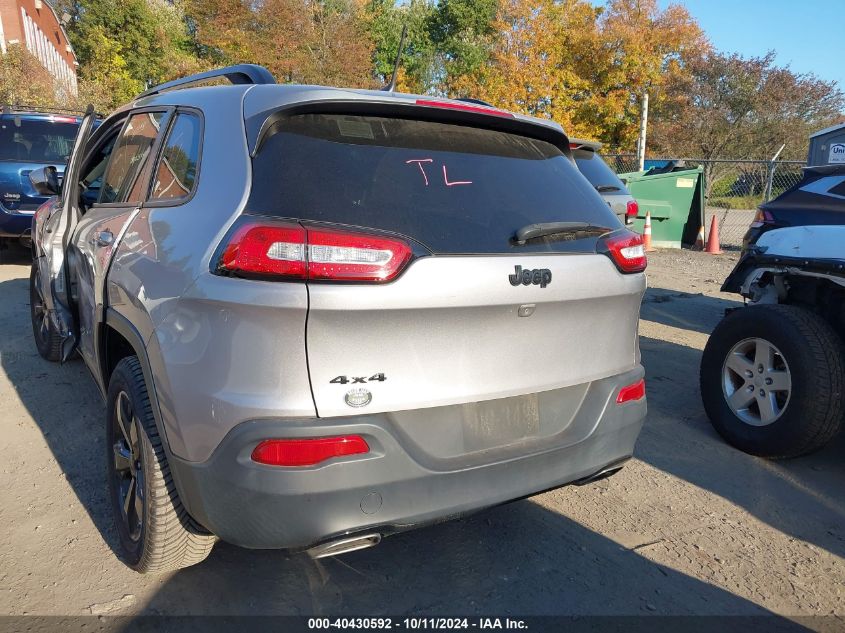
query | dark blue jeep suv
(29,139)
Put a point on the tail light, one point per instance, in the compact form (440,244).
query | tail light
(626,249)
(464,107)
(631,392)
(632,210)
(290,251)
(308,451)
(762,217)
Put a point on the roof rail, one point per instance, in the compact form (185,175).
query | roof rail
(238,74)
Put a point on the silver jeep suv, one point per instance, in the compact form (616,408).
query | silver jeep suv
(320,316)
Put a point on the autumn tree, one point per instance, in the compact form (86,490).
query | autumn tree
(728,106)
(303,41)
(639,48)
(581,65)
(531,66)
(23,80)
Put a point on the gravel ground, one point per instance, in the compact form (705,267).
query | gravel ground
(690,526)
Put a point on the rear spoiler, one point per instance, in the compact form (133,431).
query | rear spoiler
(259,125)
(577,143)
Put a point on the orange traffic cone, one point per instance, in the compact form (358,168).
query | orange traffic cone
(699,240)
(647,233)
(713,238)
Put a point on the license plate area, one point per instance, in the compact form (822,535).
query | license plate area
(495,423)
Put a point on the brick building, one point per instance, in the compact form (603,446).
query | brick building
(34,24)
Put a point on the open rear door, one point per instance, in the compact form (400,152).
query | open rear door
(60,230)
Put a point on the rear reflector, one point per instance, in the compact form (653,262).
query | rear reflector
(463,107)
(632,392)
(627,251)
(308,452)
(265,249)
(632,210)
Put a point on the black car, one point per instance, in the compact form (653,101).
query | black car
(816,199)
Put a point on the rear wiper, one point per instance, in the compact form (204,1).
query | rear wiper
(603,188)
(544,229)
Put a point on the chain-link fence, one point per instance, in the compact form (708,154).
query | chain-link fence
(733,188)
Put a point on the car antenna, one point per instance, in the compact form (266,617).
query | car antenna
(390,87)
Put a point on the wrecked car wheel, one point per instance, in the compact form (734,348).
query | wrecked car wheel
(47,339)
(772,380)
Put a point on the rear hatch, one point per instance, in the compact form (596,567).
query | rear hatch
(603,179)
(471,314)
(27,142)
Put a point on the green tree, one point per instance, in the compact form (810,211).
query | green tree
(463,33)
(124,45)
(418,70)
(445,40)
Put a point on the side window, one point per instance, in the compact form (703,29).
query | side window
(92,172)
(176,172)
(122,181)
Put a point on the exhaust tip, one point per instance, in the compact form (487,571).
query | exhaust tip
(604,473)
(344,545)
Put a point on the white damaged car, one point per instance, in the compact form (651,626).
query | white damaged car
(773,372)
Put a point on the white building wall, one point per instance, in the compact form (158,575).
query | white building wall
(46,52)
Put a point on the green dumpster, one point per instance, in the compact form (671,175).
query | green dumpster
(675,201)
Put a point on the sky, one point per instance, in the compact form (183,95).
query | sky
(805,34)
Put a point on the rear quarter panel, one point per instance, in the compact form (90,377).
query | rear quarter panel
(191,328)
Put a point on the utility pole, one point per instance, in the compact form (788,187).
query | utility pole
(770,175)
(641,140)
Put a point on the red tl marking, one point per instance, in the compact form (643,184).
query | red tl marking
(419,162)
(457,182)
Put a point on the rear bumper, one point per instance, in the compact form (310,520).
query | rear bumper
(15,223)
(390,489)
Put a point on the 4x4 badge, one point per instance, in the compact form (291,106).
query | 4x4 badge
(539,277)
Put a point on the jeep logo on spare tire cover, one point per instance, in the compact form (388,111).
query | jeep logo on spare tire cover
(539,276)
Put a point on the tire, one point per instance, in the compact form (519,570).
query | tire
(47,339)
(164,537)
(802,418)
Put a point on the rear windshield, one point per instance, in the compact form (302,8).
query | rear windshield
(597,172)
(40,141)
(453,188)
